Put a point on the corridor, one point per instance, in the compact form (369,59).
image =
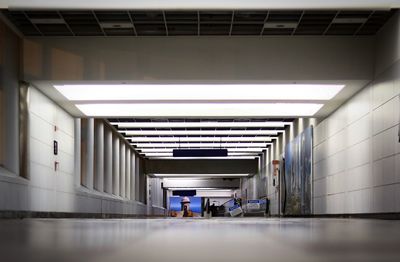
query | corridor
(218,239)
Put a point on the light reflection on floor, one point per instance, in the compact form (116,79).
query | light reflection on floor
(242,239)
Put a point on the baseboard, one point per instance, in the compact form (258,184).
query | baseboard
(383,216)
(35,214)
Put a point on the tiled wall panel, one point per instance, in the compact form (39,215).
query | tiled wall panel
(357,152)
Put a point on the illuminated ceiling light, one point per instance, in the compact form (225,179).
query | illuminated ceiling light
(160,154)
(201,139)
(195,92)
(197,124)
(200,175)
(169,150)
(242,154)
(198,132)
(202,145)
(199,109)
(207,158)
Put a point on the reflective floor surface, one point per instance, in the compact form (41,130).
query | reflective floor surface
(241,239)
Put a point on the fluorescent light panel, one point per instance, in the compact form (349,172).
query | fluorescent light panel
(200,175)
(199,109)
(163,92)
(201,139)
(197,124)
(171,154)
(230,150)
(202,145)
(208,158)
(198,132)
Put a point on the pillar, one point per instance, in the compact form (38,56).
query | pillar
(108,160)
(116,165)
(99,156)
(77,151)
(137,179)
(133,176)
(128,173)
(87,152)
(122,169)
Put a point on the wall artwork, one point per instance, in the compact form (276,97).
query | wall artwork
(185,206)
(298,174)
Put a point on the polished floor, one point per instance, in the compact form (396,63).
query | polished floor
(242,239)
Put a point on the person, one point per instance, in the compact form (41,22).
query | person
(185,207)
(213,210)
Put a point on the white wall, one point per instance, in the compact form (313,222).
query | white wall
(204,59)
(9,73)
(357,153)
(357,149)
(155,193)
(48,190)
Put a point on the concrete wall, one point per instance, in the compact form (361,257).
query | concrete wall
(9,82)
(357,149)
(53,182)
(51,190)
(205,58)
(155,192)
(357,152)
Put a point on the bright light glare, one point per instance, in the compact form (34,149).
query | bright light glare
(171,155)
(201,139)
(197,124)
(170,150)
(198,132)
(202,145)
(163,92)
(200,109)
(202,158)
(200,175)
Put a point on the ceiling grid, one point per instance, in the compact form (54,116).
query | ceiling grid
(197,23)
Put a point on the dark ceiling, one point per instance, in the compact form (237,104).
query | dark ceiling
(193,23)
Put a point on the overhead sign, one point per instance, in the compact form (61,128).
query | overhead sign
(200,152)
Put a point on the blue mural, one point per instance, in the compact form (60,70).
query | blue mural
(298,174)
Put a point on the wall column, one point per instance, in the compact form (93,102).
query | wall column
(87,152)
(122,169)
(99,156)
(137,179)
(128,173)
(108,158)
(133,176)
(116,164)
(77,151)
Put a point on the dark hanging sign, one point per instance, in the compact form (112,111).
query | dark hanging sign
(184,192)
(200,152)
(55,147)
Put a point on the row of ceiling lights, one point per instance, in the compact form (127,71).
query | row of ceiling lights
(199,100)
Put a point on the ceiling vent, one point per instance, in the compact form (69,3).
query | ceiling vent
(349,20)
(113,25)
(280,25)
(51,21)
